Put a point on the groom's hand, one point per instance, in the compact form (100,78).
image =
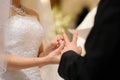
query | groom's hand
(71,45)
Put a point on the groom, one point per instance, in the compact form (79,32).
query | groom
(102,58)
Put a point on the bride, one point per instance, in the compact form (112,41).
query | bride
(23,37)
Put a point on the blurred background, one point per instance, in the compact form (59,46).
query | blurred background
(68,14)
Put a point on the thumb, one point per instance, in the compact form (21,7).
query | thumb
(60,48)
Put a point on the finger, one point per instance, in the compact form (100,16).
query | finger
(54,43)
(56,40)
(60,48)
(75,37)
(65,36)
(59,37)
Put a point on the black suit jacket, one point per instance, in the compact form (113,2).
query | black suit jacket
(102,58)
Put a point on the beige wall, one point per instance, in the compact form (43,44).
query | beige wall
(74,7)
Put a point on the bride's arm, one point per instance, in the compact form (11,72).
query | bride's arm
(16,63)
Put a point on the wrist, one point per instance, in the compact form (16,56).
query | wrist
(43,61)
(48,60)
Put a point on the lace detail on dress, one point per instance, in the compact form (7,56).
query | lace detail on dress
(23,36)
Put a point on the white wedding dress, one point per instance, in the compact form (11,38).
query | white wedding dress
(23,36)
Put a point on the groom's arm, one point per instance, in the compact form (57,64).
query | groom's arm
(72,66)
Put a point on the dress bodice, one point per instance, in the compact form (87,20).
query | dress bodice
(23,36)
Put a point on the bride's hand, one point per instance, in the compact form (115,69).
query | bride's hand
(55,56)
(54,44)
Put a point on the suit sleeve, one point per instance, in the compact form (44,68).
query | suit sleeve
(72,66)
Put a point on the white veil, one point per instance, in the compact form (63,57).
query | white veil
(2,59)
(4,10)
(46,18)
(4,14)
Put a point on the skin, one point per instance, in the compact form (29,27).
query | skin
(71,45)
